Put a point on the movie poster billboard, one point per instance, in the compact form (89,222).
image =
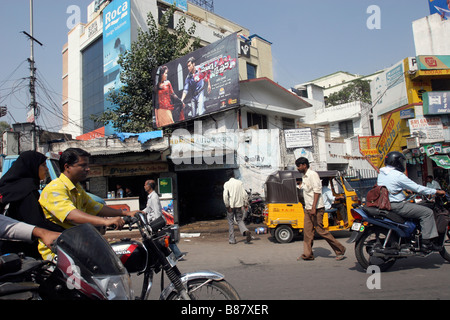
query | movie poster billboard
(442,7)
(116,41)
(203,82)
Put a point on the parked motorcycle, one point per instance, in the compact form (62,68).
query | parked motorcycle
(255,211)
(86,269)
(153,255)
(383,237)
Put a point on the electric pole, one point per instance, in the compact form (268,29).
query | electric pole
(33,103)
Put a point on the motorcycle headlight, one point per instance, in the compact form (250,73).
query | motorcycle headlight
(117,287)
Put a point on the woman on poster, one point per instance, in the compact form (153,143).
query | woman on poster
(165,93)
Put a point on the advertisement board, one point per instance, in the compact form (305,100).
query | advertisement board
(441,7)
(436,102)
(388,89)
(433,62)
(429,130)
(180,4)
(116,40)
(201,83)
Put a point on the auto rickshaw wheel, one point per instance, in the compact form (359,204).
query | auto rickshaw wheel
(284,234)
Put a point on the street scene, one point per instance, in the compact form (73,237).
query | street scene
(262,151)
(266,270)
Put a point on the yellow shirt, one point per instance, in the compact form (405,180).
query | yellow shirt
(58,199)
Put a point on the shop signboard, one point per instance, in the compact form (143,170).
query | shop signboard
(388,89)
(203,82)
(436,102)
(441,7)
(388,137)
(434,62)
(368,148)
(298,138)
(429,130)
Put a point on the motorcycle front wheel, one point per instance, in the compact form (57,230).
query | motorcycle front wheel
(365,248)
(207,289)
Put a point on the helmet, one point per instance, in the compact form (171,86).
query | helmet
(397,160)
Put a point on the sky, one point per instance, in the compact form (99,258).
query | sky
(310,39)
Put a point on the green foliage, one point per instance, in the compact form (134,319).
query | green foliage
(358,90)
(153,48)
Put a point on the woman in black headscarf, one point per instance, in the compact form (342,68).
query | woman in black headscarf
(19,188)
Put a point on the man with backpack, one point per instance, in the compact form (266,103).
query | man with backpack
(393,178)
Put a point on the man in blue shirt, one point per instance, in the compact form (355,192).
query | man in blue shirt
(393,178)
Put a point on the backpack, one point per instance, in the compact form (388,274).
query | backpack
(378,197)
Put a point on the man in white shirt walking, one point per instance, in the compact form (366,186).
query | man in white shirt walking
(314,212)
(236,200)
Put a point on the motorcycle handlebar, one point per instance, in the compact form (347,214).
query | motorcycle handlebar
(155,225)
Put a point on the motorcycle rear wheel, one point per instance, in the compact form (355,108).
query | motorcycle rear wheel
(204,289)
(364,249)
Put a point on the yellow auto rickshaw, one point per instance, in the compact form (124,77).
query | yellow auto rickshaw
(284,215)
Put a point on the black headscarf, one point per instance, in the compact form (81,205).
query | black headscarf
(22,178)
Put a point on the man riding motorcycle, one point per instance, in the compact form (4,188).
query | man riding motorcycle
(393,178)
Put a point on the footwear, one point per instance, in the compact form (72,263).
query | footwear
(249,236)
(305,258)
(340,257)
(428,246)
(232,242)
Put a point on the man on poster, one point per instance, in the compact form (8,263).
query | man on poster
(195,85)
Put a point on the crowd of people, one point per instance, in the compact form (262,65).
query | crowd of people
(39,218)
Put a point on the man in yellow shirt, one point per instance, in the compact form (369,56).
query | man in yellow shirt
(65,202)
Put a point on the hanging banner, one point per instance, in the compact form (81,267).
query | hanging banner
(441,161)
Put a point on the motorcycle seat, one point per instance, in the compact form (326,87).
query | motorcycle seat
(384,214)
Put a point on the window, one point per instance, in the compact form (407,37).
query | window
(255,119)
(346,129)
(288,123)
(92,84)
(251,71)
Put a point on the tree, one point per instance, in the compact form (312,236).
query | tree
(153,48)
(358,90)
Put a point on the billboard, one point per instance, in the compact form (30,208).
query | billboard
(116,40)
(180,4)
(203,82)
(442,7)
(388,89)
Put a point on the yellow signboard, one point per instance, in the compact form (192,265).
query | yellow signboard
(389,137)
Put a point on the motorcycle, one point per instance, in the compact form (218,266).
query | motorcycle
(86,269)
(153,255)
(255,211)
(383,237)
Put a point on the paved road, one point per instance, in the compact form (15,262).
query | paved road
(266,270)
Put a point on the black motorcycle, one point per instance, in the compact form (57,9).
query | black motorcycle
(255,211)
(86,269)
(153,255)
